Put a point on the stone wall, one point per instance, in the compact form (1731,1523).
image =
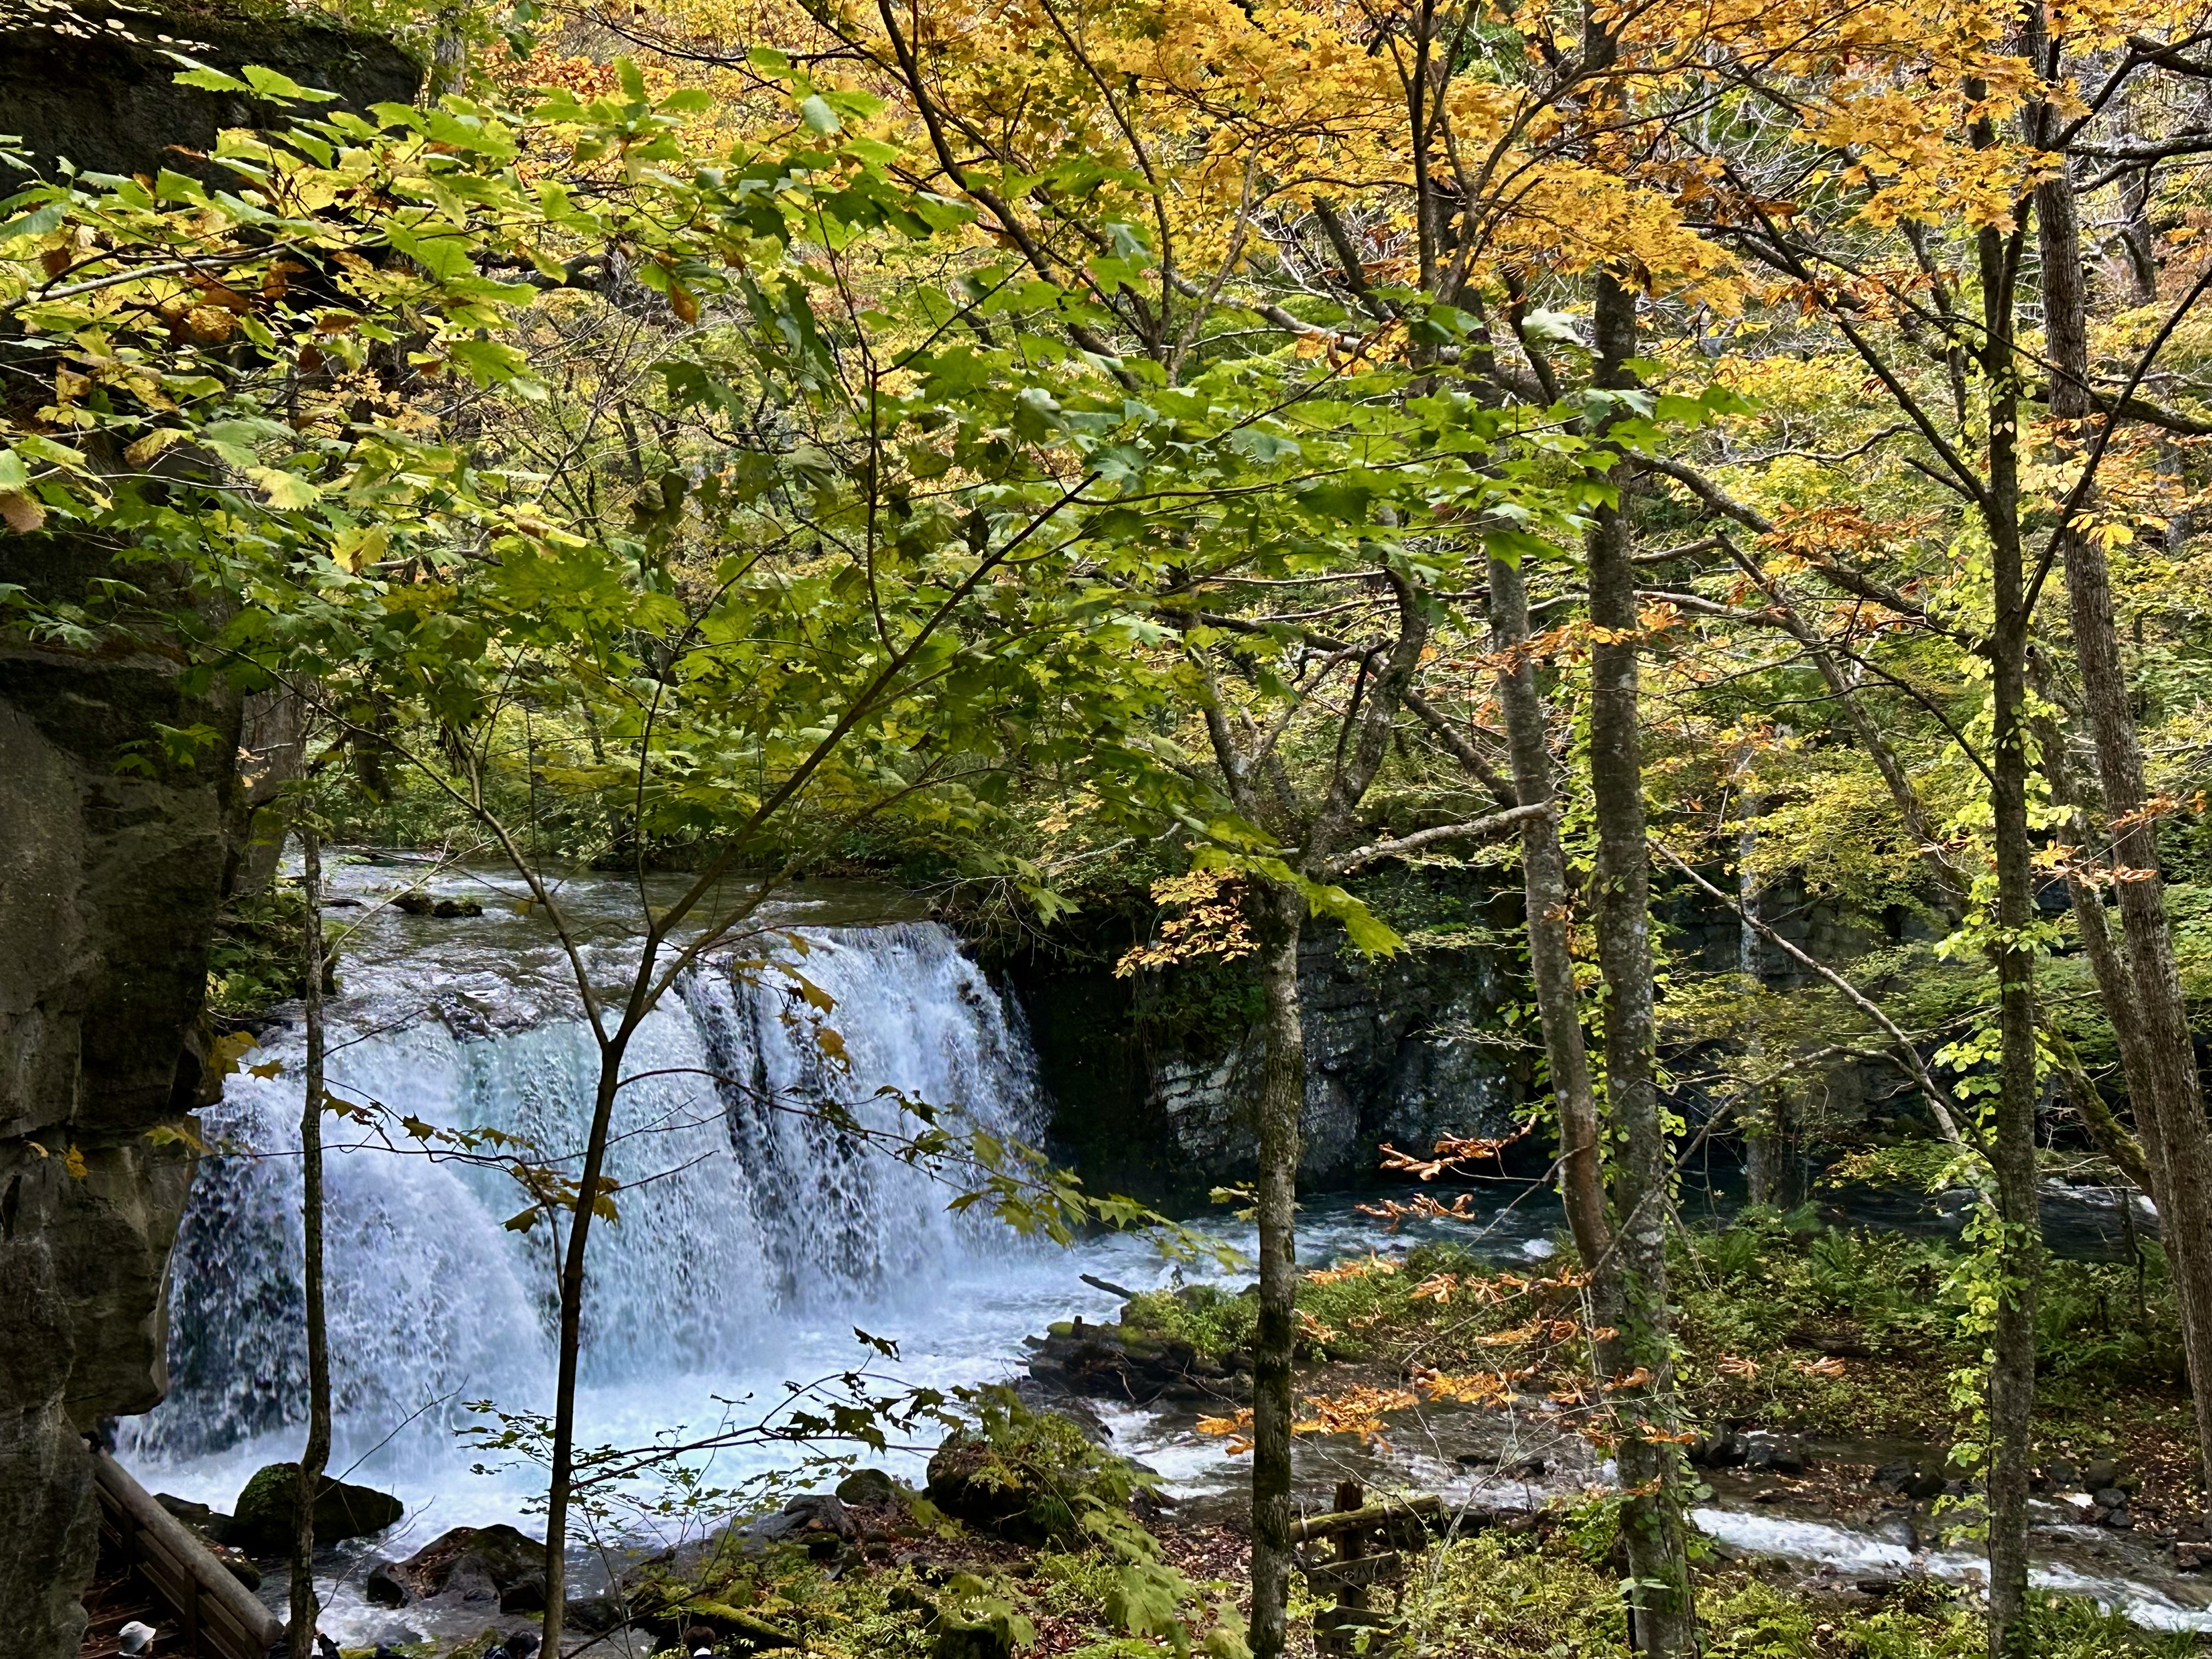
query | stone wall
(96,83)
(1398,1051)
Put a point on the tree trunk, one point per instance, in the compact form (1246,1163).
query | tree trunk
(1280,913)
(315,1456)
(1551,952)
(572,1337)
(2141,984)
(1662,1617)
(1769,1151)
(2012,1150)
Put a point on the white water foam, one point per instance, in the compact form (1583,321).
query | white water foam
(752,1238)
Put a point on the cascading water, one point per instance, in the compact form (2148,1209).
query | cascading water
(752,1237)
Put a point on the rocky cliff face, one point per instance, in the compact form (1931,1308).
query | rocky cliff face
(114,859)
(95,83)
(1399,1051)
(109,884)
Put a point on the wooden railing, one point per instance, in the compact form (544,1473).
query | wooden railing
(216,1617)
(1372,1543)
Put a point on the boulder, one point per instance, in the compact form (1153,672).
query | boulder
(472,1564)
(819,1521)
(422,904)
(1019,1499)
(1111,1361)
(267,1511)
(2103,1472)
(1723,1448)
(869,1488)
(595,1615)
(1037,1395)
(1770,1454)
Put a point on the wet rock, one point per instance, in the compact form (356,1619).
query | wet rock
(2191,1557)
(2109,1497)
(1106,1361)
(422,904)
(264,1525)
(1722,1449)
(210,1523)
(1909,1480)
(1775,1454)
(2064,1474)
(871,1488)
(1040,1396)
(820,1521)
(595,1615)
(470,1564)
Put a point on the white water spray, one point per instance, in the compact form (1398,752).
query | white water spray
(752,1237)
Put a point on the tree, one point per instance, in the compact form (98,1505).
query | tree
(315,1456)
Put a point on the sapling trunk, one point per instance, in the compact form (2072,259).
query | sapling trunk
(1551,950)
(315,1456)
(1282,1093)
(560,1491)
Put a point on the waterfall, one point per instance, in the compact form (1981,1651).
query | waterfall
(744,1225)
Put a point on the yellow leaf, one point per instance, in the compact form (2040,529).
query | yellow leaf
(22,510)
(153,444)
(355,549)
(73,1161)
(269,1069)
(227,1050)
(286,490)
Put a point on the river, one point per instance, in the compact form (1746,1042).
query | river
(752,1243)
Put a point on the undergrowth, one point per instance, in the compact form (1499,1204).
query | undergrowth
(1492,1597)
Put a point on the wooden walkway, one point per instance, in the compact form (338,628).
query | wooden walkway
(155,1568)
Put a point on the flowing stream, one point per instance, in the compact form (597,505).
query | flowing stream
(752,1242)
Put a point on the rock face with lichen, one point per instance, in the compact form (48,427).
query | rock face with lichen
(95,83)
(115,855)
(110,879)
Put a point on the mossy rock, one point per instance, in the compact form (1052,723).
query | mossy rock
(267,1511)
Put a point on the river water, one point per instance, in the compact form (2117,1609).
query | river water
(752,1245)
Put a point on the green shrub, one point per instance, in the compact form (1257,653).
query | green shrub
(253,963)
(1211,1321)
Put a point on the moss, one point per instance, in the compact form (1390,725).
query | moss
(254,962)
(1211,1321)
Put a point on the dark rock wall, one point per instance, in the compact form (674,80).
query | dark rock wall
(96,83)
(1399,1051)
(111,876)
(109,885)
